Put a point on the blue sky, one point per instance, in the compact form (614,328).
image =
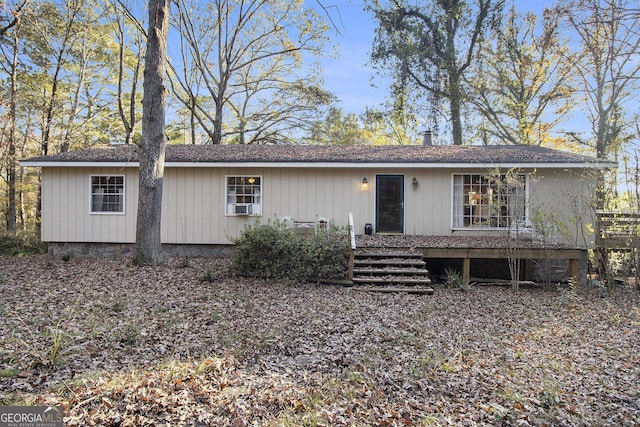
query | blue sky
(349,76)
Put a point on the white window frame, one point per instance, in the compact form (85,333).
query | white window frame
(241,196)
(476,203)
(95,195)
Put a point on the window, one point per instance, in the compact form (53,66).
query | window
(244,195)
(488,201)
(107,194)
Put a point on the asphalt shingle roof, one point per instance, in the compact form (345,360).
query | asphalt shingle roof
(327,154)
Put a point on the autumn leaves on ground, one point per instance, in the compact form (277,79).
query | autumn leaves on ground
(188,344)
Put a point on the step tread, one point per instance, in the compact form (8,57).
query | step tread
(390,270)
(395,289)
(396,279)
(395,261)
(388,254)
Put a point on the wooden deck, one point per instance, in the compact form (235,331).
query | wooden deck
(468,248)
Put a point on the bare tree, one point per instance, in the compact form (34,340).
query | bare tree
(239,66)
(56,29)
(127,102)
(507,201)
(609,70)
(521,85)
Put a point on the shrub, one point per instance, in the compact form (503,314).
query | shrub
(273,251)
(21,245)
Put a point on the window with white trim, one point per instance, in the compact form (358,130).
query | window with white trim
(107,193)
(492,201)
(244,195)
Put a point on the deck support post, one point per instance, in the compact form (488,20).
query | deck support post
(574,268)
(466,268)
(526,269)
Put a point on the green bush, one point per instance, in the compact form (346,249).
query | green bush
(273,251)
(21,245)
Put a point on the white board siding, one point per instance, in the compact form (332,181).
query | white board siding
(192,206)
(194,201)
(306,195)
(428,207)
(567,198)
(66,215)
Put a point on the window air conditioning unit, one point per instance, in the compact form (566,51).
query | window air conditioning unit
(242,209)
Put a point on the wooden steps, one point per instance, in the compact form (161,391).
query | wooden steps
(383,270)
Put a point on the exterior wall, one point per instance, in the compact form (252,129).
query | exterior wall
(554,196)
(428,207)
(66,215)
(566,199)
(194,202)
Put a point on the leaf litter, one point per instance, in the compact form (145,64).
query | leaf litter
(187,343)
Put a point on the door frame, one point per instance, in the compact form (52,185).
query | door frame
(400,218)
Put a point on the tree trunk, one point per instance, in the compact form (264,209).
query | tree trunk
(455,101)
(11,151)
(148,248)
(217,122)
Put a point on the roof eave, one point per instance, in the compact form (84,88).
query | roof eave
(88,164)
(332,165)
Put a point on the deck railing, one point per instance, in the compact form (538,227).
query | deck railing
(617,229)
(352,252)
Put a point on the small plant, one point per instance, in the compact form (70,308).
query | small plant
(569,293)
(9,373)
(119,304)
(455,280)
(130,335)
(65,257)
(56,336)
(45,354)
(208,277)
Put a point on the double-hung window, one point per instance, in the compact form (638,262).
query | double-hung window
(107,194)
(491,201)
(244,195)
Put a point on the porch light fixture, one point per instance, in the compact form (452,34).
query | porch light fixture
(365,183)
(415,183)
